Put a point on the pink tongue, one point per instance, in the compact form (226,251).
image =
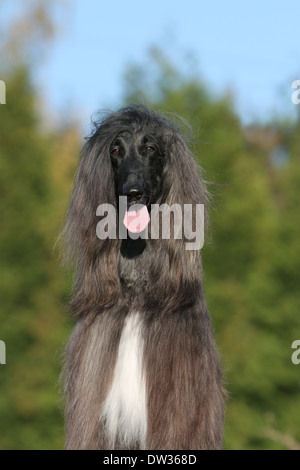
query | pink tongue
(136,221)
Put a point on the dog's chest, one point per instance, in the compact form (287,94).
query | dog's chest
(124,409)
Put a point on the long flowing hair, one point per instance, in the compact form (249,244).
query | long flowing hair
(179,358)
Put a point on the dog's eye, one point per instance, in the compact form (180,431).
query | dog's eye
(115,152)
(150,149)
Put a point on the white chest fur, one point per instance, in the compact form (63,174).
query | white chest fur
(124,409)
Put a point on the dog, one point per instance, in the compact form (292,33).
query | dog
(141,369)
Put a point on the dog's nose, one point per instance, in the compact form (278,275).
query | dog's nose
(133,193)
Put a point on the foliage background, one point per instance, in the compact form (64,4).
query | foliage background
(251,259)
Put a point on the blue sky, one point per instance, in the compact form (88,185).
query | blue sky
(253,48)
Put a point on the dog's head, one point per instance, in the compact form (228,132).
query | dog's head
(137,161)
(138,158)
(135,143)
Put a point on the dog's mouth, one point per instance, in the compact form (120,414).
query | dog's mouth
(137,216)
(139,199)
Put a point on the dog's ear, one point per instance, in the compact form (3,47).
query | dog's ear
(183,176)
(182,185)
(94,260)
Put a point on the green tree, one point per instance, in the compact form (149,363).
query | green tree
(32,287)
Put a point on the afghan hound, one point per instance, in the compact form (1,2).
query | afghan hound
(141,369)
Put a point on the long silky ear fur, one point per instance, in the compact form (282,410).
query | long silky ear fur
(182,184)
(96,282)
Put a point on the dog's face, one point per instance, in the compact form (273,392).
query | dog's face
(137,161)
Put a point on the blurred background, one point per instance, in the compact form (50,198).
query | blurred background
(228,68)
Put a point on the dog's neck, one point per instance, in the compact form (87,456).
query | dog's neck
(133,262)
